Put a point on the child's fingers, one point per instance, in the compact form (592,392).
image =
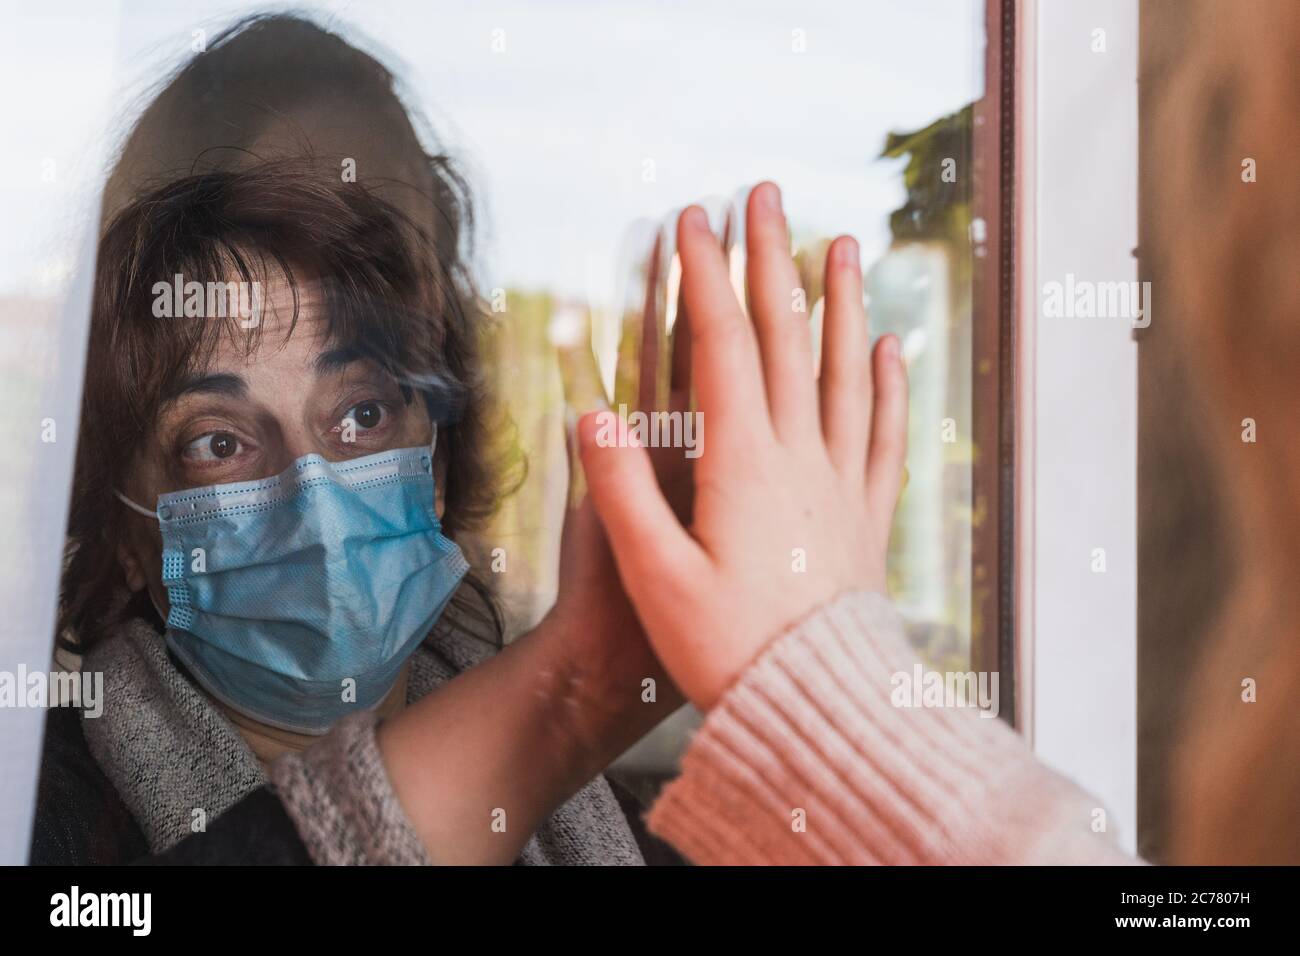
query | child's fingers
(845,382)
(679,385)
(783,333)
(725,364)
(888,428)
(651,548)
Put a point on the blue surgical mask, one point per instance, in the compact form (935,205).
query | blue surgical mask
(297,599)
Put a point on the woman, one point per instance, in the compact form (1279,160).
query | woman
(364,343)
(258,550)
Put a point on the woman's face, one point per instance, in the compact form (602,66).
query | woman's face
(249,416)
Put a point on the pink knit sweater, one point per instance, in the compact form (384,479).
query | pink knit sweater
(806,761)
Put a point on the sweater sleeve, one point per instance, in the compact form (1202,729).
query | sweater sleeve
(338,794)
(805,760)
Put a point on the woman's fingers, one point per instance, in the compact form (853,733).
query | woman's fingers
(679,388)
(845,382)
(724,354)
(651,548)
(780,311)
(652,337)
(888,428)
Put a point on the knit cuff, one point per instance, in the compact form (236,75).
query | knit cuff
(807,760)
(338,794)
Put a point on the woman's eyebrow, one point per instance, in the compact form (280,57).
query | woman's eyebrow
(221,383)
(335,360)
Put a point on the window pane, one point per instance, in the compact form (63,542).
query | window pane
(583,128)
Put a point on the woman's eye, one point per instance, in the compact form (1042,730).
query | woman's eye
(367,415)
(214,446)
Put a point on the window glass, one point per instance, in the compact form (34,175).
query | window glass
(582,128)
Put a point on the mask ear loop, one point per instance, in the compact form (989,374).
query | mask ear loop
(133,506)
(148,514)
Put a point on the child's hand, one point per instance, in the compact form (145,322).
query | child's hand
(796,486)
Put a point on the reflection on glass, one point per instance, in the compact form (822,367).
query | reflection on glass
(921,290)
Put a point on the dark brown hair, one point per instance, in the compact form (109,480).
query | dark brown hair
(390,293)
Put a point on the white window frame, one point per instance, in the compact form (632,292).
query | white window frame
(1076,401)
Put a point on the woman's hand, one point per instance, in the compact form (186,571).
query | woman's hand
(607,657)
(796,486)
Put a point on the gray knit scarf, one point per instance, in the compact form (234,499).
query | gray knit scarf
(167,749)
